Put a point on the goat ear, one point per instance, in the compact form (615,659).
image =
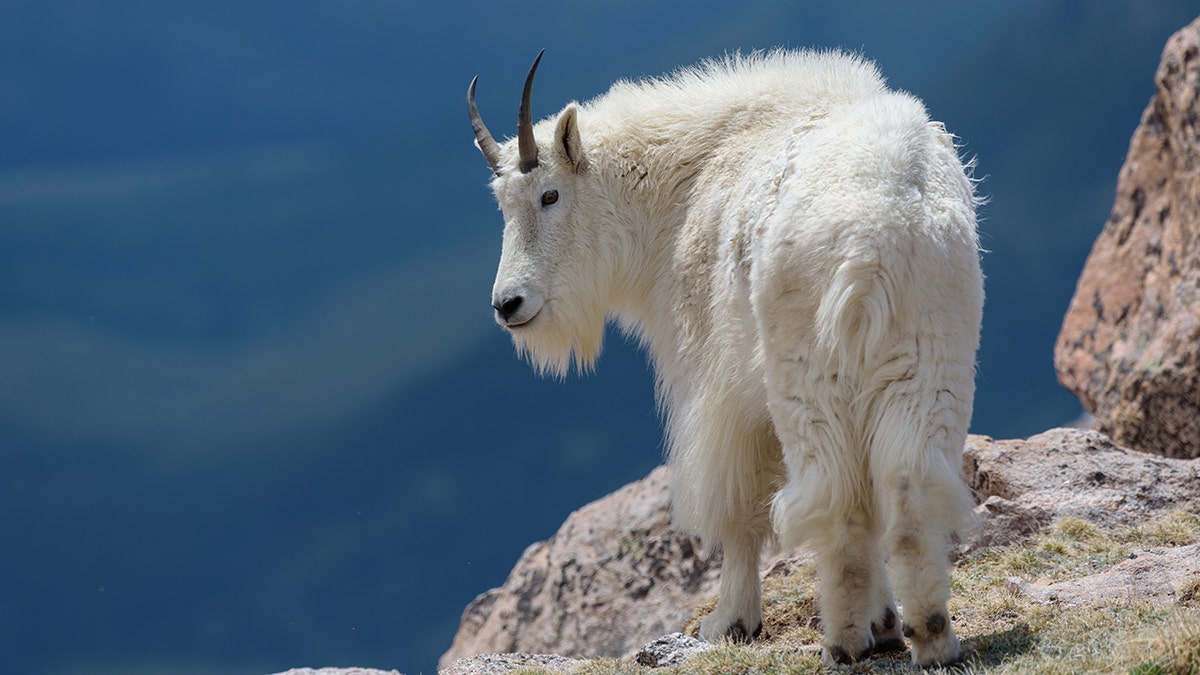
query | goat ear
(566,139)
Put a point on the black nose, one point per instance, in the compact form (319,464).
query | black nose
(507,308)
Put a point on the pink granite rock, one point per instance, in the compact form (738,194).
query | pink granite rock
(1130,342)
(1073,473)
(613,577)
(1157,576)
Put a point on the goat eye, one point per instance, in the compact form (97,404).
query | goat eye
(549,197)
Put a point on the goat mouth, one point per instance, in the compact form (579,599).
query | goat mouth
(520,322)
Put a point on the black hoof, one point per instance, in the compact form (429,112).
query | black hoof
(839,655)
(885,640)
(738,633)
(892,645)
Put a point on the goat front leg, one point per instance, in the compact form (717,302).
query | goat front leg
(738,616)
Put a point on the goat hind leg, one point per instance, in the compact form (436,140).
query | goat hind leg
(918,538)
(885,622)
(855,600)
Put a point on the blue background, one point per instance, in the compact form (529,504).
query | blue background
(254,412)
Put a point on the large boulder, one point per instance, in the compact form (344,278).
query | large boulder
(613,577)
(1130,342)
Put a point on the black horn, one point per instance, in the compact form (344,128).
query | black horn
(483,139)
(525,141)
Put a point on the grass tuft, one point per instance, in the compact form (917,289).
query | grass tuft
(1177,528)
(1175,644)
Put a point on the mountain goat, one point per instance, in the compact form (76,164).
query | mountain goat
(795,246)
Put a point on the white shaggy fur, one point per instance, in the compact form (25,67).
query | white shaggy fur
(795,245)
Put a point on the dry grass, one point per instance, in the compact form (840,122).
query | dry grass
(1175,644)
(1002,632)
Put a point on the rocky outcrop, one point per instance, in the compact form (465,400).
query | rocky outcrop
(337,671)
(1130,342)
(1025,484)
(613,577)
(497,664)
(1157,576)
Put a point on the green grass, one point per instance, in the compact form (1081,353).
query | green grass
(1001,632)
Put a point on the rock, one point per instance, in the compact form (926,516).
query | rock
(670,650)
(1005,522)
(1130,342)
(499,664)
(1159,576)
(613,577)
(338,671)
(1025,484)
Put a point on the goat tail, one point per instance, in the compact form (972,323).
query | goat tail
(854,315)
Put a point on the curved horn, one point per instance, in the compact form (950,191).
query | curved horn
(483,139)
(525,141)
